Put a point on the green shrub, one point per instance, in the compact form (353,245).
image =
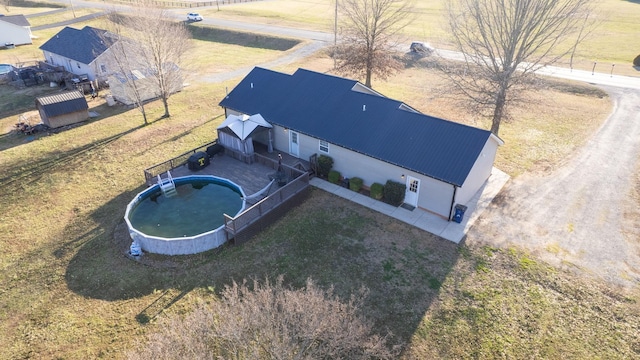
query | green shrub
(376,191)
(325,163)
(394,192)
(334,176)
(636,61)
(355,184)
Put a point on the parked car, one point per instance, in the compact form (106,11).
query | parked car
(194,17)
(421,48)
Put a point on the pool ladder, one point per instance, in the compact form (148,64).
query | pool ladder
(167,185)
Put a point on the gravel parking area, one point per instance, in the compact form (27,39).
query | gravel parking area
(585,215)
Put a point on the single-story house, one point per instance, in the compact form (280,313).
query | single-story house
(146,84)
(15,29)
(62,109)
(368,135)
(81,52)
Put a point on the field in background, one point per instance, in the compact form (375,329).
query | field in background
(612,43)
(68,291)
(609,48)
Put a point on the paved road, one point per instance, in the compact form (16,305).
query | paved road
(327,39)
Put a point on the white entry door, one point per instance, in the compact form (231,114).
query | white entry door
(294,147)
(411,194)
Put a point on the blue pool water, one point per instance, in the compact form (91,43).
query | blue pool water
(198,208)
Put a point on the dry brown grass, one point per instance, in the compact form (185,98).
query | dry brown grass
(68,291)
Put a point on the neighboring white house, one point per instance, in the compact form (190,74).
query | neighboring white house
(368,135)
(146,84)
(81,52)
(14,29)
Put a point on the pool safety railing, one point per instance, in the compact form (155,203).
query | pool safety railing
(167,185)
(151,173)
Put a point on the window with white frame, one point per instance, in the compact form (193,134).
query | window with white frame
(103,68)
(324,146)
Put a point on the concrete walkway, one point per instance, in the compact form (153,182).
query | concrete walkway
(422,219)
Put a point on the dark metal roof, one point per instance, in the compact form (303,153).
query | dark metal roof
(325,107)
(63,103)
(19,20)
(83,46)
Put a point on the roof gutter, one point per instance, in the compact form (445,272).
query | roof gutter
(453,200)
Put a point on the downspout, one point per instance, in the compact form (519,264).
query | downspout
(453,200)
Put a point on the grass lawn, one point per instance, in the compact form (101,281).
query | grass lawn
(68,14)
(67,290)
(25,7)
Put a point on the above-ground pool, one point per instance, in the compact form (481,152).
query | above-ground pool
(188,222)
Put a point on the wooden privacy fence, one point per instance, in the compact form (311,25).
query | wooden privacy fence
(252,215)
(188,4)
(151,173)
(239,155)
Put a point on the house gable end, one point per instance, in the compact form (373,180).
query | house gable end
(18,20)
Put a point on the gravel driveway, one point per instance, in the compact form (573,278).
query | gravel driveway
(584,216)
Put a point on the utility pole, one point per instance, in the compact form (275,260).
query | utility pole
(72,10)
(335,35)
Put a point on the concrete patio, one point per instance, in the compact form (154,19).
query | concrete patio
(425,220)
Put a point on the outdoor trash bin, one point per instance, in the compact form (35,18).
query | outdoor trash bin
(459,214)
(198,161)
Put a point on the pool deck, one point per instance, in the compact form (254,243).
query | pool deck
(251,177)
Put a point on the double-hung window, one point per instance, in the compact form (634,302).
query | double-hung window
(324,147)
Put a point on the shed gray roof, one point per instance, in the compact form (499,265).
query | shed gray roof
(63,103)
(83,46)
(325,107)
(19,20)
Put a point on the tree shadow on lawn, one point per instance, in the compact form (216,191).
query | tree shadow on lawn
(15,138)
(329,239)
(179,136)
(244,39)
(44,162)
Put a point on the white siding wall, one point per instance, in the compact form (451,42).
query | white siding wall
(73,66)
(434,195)
(18,35)
(479,172)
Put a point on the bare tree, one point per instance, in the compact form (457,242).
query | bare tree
(164,44)
(505,41)
(269,321)
(368,36)
(122,60)
(161,44)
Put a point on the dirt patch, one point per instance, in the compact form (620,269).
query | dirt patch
(583,216)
